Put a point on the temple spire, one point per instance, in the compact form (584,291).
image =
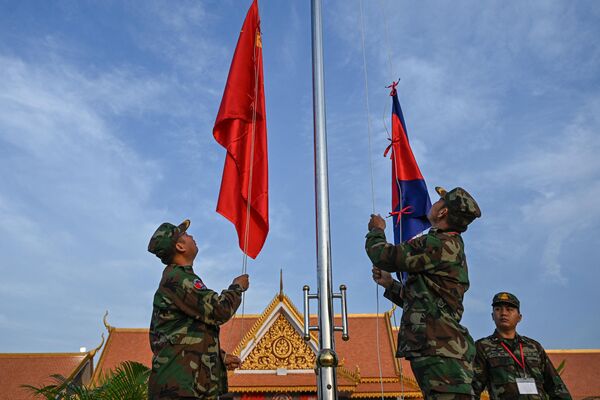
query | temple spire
(280,284)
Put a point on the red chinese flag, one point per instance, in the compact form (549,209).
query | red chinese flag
(241,128)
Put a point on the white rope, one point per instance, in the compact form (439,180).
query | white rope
(385,109)
(387,41)
(394,158)
(250,184)
(400,362)
(252,137)
(362,37)
(251,174)
(378,344)
(386,113)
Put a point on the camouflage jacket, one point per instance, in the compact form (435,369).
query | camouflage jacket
(184,336)
(496,370)
(432,298)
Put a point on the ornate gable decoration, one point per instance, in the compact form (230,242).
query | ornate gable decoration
(280,347)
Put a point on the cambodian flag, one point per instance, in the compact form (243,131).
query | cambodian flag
(410,200)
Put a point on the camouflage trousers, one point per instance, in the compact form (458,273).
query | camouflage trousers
(443,378)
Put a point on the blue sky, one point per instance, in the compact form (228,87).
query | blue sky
(106,115)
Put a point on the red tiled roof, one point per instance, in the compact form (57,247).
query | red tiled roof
(359,372)
(391,389)
(581,373)
(34,369)
(123,344)
(361,349)
(234,330)
(358,357)
(132,344)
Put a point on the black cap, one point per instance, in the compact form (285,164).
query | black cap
(506,298)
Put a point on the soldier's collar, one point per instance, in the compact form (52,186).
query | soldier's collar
(182,266)
(446,231)
(499,338)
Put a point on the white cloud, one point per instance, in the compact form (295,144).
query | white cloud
(182,34)
(179,16)
(557,176)
(65,144)
(75,194)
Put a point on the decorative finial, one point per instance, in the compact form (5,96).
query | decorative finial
(106,325)
(93,352)
(280,284)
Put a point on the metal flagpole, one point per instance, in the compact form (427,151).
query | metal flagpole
(326,359)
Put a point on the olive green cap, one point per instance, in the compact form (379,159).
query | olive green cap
(506,298)
(162,242)
(462,207)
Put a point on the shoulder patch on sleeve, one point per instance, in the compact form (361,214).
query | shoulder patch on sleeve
(198,284)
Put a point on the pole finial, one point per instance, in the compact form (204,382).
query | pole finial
(280,284)
(393,87)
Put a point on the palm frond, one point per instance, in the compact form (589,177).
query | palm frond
(128,381)
(62,389)
(52,391)
(561,367)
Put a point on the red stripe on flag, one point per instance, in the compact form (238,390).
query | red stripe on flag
(406,167)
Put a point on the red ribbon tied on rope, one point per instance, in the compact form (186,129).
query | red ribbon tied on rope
(392,142)
(392,93)
(393,87)
(405,211)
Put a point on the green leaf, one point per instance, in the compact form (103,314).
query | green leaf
(561,367)
(128,381)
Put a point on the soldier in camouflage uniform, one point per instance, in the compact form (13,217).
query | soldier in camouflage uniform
(188,362)
(508,364)
(439,349)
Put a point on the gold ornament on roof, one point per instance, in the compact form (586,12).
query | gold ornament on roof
(93,352)
(281,347)
(106,324)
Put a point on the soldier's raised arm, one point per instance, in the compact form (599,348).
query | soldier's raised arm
(192,297)
(418,255)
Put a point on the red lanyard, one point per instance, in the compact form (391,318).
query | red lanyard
(522,363)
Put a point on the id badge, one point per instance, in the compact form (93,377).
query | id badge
(526,386)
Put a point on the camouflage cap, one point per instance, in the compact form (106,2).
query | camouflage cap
(506,298)
(162,242)
(462,207)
